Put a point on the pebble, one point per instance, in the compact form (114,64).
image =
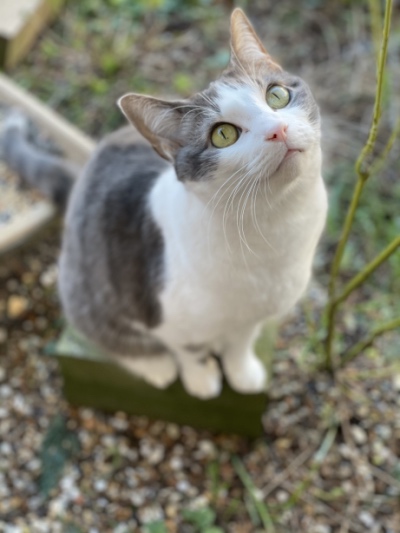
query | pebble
(100,485)
(385,432)
(396,382)
(6,391)
(359,434)
(282,496)
(49,277)
(16,306)
(321,528)
(366,519)
(183,485)
(176,463)
(150,514)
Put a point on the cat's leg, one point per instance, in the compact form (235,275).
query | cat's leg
(199,372)
(158,370)
(243,370)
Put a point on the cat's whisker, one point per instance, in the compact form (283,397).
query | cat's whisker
(230,202)
(209,100)
(259,178)
(241,211)
(227,183)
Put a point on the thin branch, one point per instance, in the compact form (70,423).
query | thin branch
(363,174)
(380,161)
(365,343)
(368,270)
(376,23)
(369,146)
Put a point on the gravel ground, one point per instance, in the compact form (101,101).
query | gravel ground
(329,459)
(12,201)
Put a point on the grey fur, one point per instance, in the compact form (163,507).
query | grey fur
(51,175)
(112,260)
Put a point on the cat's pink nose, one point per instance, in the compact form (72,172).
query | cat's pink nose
(278,133)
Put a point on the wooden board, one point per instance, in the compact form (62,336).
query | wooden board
(20,23)
(76,146)
(92,380)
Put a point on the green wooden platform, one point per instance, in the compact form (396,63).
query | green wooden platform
(91,379)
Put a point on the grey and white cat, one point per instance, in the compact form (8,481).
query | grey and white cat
(184,234)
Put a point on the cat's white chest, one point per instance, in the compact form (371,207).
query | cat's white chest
(215,281)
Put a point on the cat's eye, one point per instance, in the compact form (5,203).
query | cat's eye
(277,97)
(224,135)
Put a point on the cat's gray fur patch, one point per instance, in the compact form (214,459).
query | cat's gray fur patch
(112,261)
(194,161)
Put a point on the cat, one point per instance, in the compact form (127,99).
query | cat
(193,226)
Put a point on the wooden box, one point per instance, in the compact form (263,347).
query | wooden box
(92,380)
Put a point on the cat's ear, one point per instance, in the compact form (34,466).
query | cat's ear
(246,47)
(157,120)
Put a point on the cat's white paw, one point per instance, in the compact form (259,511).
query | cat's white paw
(247,375)
(202,379)
(159,371)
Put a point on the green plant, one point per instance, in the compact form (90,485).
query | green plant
(203,520)
(365,168)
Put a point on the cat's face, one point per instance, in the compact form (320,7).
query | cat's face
(256,122)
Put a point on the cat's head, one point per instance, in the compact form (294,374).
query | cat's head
(255,121)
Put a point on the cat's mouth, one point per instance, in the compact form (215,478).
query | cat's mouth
(292,152)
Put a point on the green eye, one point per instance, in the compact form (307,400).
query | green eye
(224,135)
(277,97)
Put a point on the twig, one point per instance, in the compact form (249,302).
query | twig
(282,476)
(367,270)
(381,159)
(316,463)
(310,499)
(363,344)
(376,23)
(349,513)
(384,476)
(363,174)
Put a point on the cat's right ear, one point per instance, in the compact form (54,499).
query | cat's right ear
(157,120)
(246,47)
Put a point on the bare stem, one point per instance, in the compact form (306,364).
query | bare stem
(368,270)
(362,174)
(380,161)
(365,343)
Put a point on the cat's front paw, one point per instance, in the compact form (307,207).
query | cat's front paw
(247,375)
(203,379)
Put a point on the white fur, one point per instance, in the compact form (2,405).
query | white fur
(235,258)
(160,371)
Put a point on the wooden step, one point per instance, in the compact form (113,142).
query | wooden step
(21,21)
(92,380)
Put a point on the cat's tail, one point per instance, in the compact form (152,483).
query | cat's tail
(37,168)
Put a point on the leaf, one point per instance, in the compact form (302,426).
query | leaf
(59,445)
(202,518)
(156,527)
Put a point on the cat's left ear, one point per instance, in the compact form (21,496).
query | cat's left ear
(159,121)
(246,47)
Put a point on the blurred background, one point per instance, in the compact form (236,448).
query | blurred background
(78,470)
